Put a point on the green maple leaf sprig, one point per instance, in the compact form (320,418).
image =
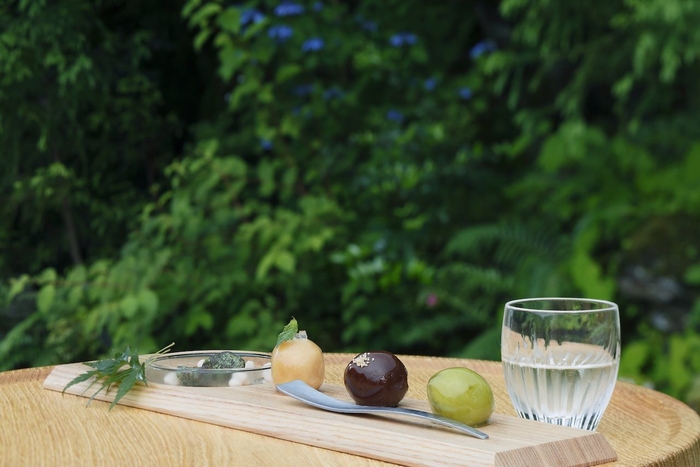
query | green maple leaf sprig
(124,369)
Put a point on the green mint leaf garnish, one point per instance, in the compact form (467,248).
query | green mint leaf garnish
(288,333)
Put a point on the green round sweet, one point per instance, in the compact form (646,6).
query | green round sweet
(461,394)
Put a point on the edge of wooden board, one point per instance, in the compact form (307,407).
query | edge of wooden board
(261,409)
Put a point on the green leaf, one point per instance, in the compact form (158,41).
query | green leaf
(288,333)
(148,301)
(692,275)
(80,378)
(47,276)
(201,38)
(45,298)
(111,371)
(230,20)
(198,320)
(287,72)
(75,295)
(127,383)
(266,172)
(588,276)
(285,261)
(290,126)
(129,306)
(189,7)
(17,286)
(200,17)
(250,86)
(16,335)
(678,365)
(265,264)
(634,358)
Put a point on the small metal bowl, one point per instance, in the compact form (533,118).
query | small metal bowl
(183,369)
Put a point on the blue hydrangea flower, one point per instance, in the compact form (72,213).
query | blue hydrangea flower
(367,25)
(394,116)
(430,84)
(280,32)
(312,45)
(403,38)
(465,93)
(251,16)
(303,90)
(481,48)
(288,9)
(318,6)
(333,93)
(265,144)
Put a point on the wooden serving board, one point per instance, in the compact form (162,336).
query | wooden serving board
(262,409)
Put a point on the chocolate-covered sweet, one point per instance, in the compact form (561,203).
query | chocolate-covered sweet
(376,378)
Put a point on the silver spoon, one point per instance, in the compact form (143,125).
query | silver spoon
(305,393)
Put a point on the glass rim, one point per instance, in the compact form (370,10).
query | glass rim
(161,362)
(520,304)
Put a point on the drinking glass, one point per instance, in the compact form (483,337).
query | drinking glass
(560,358)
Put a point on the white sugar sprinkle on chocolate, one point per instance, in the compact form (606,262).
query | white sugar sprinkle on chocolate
(361,360)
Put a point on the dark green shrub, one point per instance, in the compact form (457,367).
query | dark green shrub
(389,173)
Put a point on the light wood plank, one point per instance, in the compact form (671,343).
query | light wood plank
(261,409)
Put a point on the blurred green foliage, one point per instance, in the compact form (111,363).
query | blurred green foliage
(388,172)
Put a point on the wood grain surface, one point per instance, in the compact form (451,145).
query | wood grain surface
(43,427)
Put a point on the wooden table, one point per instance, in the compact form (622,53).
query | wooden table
(41,427)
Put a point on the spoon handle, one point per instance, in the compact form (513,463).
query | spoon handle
(305,393)
(440,420)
